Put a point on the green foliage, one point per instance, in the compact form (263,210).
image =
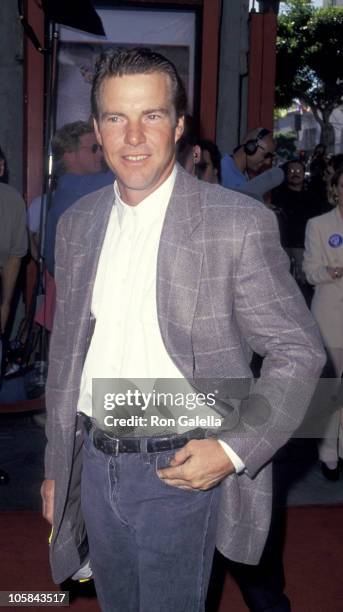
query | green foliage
(285,144)
(309,63)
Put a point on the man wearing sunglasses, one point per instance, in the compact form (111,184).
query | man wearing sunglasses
(79,166)
(239,170)
(295,203)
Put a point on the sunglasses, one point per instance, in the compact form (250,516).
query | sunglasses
(295,171)
(94,148)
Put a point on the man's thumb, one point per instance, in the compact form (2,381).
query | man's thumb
(181,456)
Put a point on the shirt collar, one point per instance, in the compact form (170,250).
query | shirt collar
(152,207)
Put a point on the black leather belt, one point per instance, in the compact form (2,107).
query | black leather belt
(110,445)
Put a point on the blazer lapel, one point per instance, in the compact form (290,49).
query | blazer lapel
(84,268)
(179,270)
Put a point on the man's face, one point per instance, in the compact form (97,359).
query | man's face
(208,172)
(295,175)
(265,149)
(88,158)
(136,129)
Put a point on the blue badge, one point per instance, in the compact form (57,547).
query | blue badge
(335,240)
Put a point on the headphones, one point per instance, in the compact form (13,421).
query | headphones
(250,147)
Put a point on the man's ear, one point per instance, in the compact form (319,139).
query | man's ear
(196,154)
(97,132)
(180,126)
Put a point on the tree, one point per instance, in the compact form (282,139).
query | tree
(309,61)
(285,145)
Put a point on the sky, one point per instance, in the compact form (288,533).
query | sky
(314,2)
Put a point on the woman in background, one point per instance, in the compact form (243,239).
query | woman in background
(323,266)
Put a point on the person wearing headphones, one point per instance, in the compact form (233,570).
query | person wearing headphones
(258,147)
(231,171)
(248,160)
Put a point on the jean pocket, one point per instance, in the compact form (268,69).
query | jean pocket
(163,461)
(88,445)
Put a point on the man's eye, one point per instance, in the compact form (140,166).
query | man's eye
(113,119)
(153,117)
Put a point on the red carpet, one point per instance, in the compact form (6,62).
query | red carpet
(313,561)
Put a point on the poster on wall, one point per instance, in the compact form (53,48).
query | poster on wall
(171,33)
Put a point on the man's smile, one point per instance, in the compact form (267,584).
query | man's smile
(135,158)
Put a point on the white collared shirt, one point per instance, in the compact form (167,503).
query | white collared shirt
(127,342)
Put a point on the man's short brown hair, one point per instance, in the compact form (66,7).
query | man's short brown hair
(67,139)
(139,60)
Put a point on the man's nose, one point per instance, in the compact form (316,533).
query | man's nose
(134,134)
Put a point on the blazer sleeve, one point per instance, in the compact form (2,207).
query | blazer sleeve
(274,320)
(57,349)
(314,264)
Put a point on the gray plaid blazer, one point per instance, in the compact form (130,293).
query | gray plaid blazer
(223,290)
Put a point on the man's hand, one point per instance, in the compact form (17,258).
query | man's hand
(47,492)
(200,464)
(335,272)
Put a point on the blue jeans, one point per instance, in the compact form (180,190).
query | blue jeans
(151,545)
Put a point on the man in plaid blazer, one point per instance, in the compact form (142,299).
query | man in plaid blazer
(191,278)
